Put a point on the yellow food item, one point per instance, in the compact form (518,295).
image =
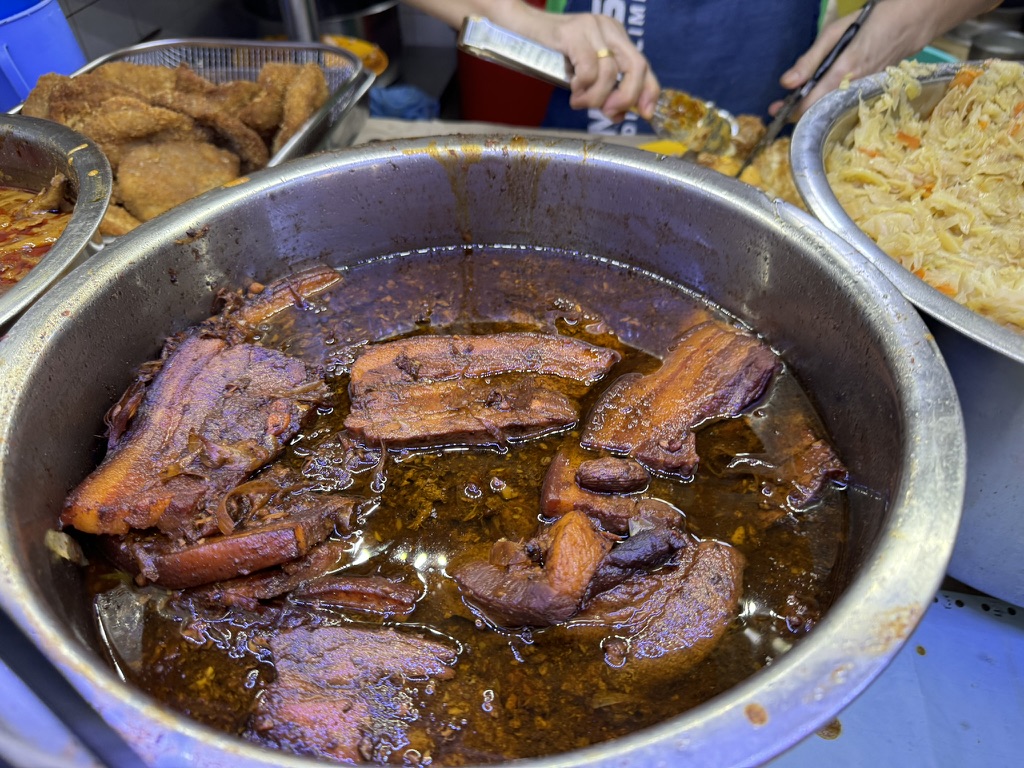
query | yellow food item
(665,147)
(770,171)
(943,193)
(373,58)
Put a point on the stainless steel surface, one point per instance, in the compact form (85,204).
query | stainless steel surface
(998,44)
(674,111)
(985,359)
(31,152)
(300,20)
(223,60)
(884,393)
(792,101)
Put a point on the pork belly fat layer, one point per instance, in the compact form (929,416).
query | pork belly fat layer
(469,411)
(440,358)
(340,691)
(715,371)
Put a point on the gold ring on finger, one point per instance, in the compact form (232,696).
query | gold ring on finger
(603,53)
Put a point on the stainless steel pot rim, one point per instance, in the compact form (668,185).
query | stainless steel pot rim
(807,157)
(775,708)
(93,179)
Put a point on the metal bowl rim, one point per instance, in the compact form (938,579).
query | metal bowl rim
(807,159)
(93,176)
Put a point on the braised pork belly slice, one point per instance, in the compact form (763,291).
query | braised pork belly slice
(714,371)
(249,591)
(213,415)
(418,359)
(785,460)
(546,580)
(280,532)
(617,512)
(375,595)
(346,693)
(671,618)
(460,412)
(539,583)
(284,293)
(801,465)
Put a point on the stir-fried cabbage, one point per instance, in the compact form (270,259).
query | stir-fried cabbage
(944,194)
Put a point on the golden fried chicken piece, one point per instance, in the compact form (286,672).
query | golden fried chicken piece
(186,80)
(235,96)
(156,177)
(304,96)
(38,102)
(142,79)
(75,97)
(116,150)
(771,171)
(727,165)
(241,139)
(263,113)
(751,129)
(117,221)
(124,120)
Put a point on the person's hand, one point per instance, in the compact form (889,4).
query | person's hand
(610,73)
(894,30)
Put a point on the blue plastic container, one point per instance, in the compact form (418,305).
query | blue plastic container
(932,55)
(35,38)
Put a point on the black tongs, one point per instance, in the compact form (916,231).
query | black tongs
(795,97)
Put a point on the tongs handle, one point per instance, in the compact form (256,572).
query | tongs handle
(840,46)
(486,40)
(794,98)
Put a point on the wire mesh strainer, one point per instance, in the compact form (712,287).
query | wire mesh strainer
(221,61)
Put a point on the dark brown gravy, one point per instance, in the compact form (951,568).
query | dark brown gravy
(514,694)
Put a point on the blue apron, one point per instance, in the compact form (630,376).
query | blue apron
(731,52)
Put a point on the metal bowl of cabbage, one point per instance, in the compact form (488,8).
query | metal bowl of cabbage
(984,345)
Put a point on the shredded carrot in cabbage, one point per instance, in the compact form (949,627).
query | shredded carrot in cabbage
(943,193)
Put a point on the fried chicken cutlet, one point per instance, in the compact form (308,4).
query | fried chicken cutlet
(153,178)
(304,96)
(171,134)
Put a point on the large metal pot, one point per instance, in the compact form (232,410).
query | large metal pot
(985,359)
(858,346)
(31,152)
